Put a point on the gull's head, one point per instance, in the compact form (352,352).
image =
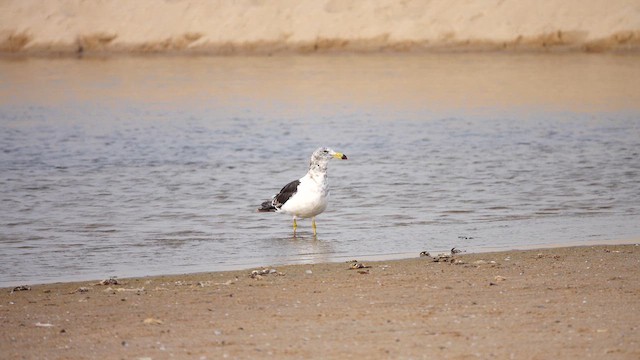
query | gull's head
(321,157)
(327,153)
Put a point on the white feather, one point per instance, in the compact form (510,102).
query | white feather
(311,198)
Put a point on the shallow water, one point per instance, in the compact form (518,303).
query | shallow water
(142,166)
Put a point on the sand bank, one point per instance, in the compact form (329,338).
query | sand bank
(267,27)
(571,303)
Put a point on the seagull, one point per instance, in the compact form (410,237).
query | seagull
(306,197)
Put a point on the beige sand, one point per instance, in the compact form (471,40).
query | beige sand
(569,303)
(258,26)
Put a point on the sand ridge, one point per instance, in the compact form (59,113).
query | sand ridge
(267,27)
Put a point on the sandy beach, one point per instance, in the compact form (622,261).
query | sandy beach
(70,27)
(576,302)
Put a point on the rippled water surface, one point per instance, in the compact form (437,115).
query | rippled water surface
(141,166)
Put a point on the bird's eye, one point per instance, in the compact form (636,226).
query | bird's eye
(325,151)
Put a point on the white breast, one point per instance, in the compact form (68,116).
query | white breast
(310,199)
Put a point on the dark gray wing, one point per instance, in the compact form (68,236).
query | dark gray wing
(286,193)
(277,201)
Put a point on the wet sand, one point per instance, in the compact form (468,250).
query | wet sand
(576,302)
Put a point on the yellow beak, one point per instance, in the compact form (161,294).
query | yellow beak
(340,156)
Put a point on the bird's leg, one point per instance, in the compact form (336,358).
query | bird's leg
(295,226)
(313,225)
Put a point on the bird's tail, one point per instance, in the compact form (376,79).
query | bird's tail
(267,206)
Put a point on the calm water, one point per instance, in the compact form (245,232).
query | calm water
(140,166)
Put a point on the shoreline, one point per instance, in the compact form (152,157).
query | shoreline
(334,260)
(15,46)
(569,302)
